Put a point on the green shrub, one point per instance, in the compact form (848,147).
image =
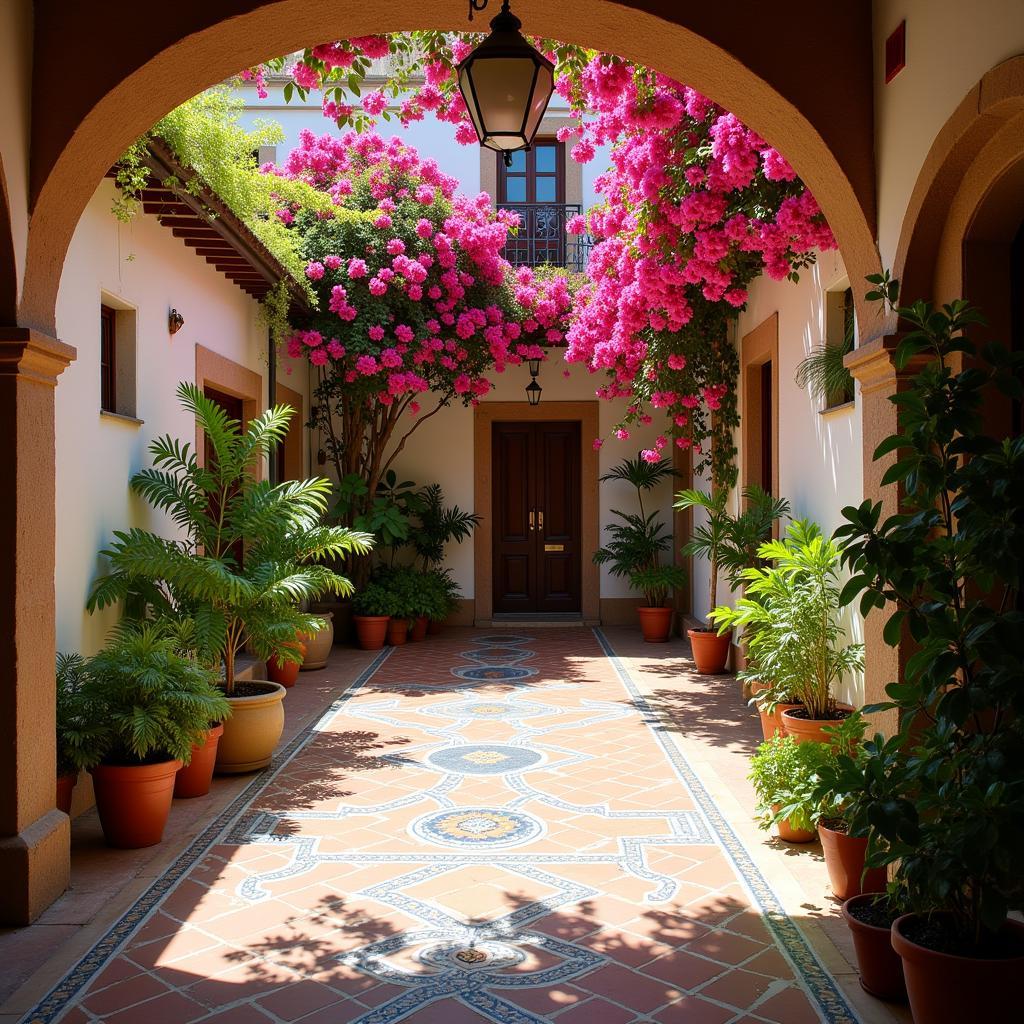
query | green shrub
(784,773)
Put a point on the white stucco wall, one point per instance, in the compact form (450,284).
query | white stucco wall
(951,44)
(142,265)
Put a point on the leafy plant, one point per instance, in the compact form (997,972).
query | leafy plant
(373,599)
(74,729)
(438,525)
(639,538)
(793,605)
(409,597)
(730,543)
(782,772)
(944,797)
(823,371)
(139,700)
(220,509)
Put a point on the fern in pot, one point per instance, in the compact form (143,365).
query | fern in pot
(638,542)
(248,555)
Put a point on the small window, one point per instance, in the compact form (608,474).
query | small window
(117,359)
(823,372)
(266,155)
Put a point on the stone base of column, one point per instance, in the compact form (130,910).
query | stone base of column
(35,866)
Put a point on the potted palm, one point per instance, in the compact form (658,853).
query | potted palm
(249,553)
(145,707)
(636,546)
(946,791)
(781,772)
(792,606)
(729,543)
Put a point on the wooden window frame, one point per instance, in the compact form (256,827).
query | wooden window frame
(108,358)
(531,175)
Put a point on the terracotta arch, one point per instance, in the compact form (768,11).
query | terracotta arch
(976,149)
(8,264)
(813,101)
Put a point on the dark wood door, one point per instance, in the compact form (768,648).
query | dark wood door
(536,517)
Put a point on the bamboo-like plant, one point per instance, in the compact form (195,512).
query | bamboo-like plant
(249,551)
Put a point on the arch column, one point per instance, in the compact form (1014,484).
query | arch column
(34,835)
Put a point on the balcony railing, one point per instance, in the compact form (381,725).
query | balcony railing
(541,238)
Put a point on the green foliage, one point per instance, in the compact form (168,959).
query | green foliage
(221,509)
(792,606)
(373,599)
(944,797)
(638,539)
(75,732)
(438,525)
(139,700)
(782,772)
(729,542)
(824,371)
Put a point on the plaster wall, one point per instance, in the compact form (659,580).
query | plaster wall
(142,266)
(950,46)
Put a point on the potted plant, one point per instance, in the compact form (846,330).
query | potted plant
(947,791)
(145,706)
(283,669)
(781,772)
(637,543)
(792,606)
(371,608)
(729,544)
(72,728)
(320,643)
(870,917)
(249,553)
(403,583)
(448,598)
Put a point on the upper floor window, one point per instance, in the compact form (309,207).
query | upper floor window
(536,175)
(108,359)
(117,358)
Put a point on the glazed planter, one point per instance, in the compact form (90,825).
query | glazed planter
(710,651)
(844,859)
(434,626)
(398,632)
(944,988)
(881,970)
(285,672)
(371,631)
(811,730)
(655,624)
(419,629)
(66,790)
(253,730)
(133,802)
(319,644)
(194,778)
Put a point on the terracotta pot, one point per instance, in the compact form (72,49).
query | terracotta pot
(252,731)
(710,651)
(788,834)
(434,626)
(133,802)
(194,778)
(811,730)
(285,672)
(844,859)
(65,791)
(398,632)
(419,629)
(655,624)
(371,631)
(881,970)
(319,644)
(948,989)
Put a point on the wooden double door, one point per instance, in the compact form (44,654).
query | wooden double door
(536,517)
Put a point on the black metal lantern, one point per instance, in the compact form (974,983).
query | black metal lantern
(534,367)
(533,390)
(506,84)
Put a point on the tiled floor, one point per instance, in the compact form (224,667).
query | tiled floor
(489,826)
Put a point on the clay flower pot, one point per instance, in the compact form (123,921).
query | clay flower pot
(788,834)
(710,651)
(881,970)
(810,730)
(319,644)
(285,672)
(398,632)
(65,791)
(655,624)
(371,631)
(252,731)
(419,629)
(194,778)
(844,859)
(133,802)
(771,724)
(947,989)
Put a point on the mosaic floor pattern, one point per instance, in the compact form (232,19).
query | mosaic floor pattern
(486,827)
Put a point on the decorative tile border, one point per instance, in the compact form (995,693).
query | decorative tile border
(790,939)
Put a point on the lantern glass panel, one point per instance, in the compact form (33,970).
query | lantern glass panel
(502,86)
(542,91)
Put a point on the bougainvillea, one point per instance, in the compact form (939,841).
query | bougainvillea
(696,205)
(417,307)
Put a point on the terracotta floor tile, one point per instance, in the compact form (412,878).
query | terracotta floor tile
(738,988)
(596,1011)
(790,1006)
(170,1008)
(694,1010)
(124,993)
(683,970)
(724,947)
(622,985)
(299,999)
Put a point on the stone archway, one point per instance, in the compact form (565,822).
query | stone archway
(8,264)
(813,102)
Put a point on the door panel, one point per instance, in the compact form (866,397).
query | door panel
(536,529)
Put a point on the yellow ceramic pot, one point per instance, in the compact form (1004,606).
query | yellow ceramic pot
(252,732)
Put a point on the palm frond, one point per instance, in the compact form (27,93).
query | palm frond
(824,373)
(643,475)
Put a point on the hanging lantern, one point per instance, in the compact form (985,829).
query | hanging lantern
(534,367)
(506,84)
(533,390)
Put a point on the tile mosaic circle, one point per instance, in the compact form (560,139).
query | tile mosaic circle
(492,710)
(494,673)
(485,759)
(470,827)
(498,655)
(499,639)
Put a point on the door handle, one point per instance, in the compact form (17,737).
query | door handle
(540,520)
(533,521)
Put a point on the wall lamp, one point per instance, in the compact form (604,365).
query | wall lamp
(175,321)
